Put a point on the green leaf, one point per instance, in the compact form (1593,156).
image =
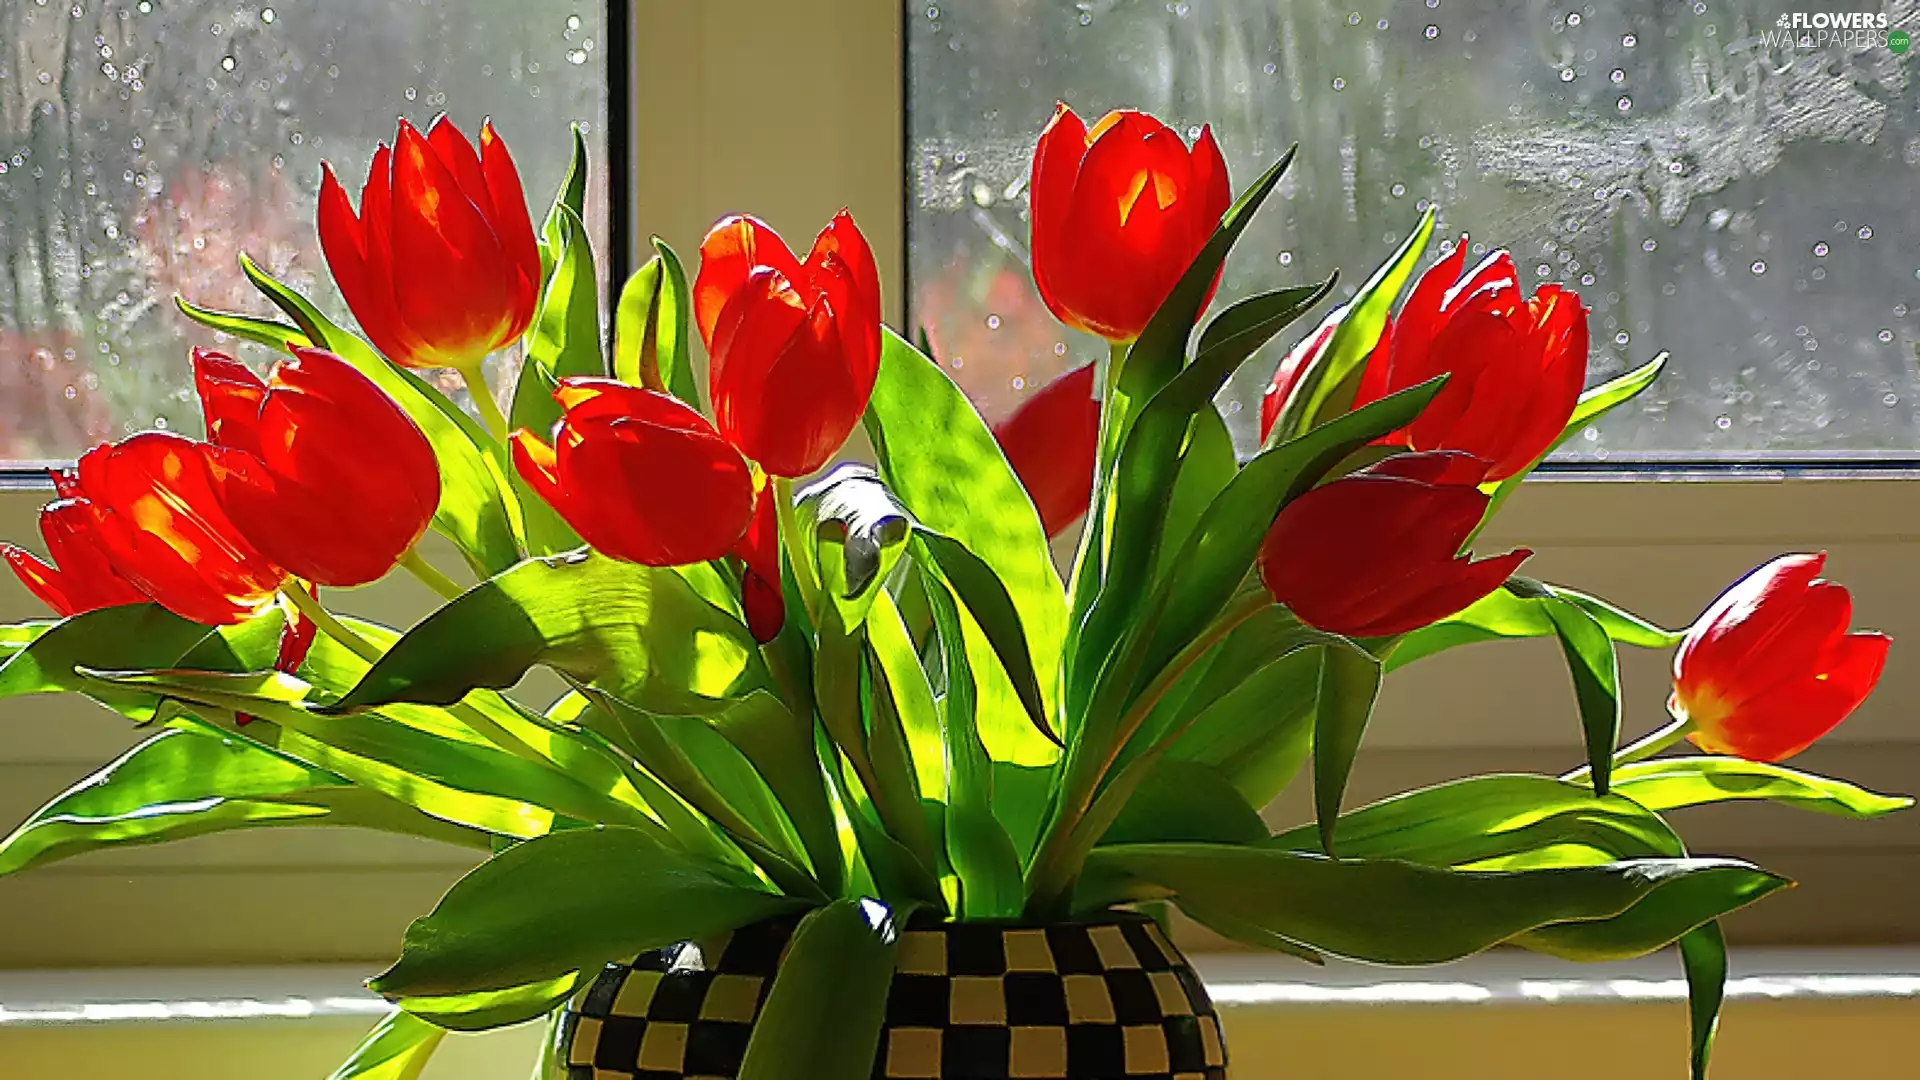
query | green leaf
(941,461)
(1496,822)
(651,328)
(979,847)
(1392,912)
(15,637)
(1144,476)
(475,509)
(1703,953)
(859,531)
(1215,559)
(397,1049)
(1519,610)
(803,1033)
(1349,682)
(1182,801)
(183,783)
(1327,389)
(1663,784)
(491,1009)
(604,893)
(429,758)
(133,636)
(781,748)
(564,341)
(1662,918)
(987,600)
(1207,466)
(1596,684)
(570,198)
(1259,734)
(638,632)
(274,335)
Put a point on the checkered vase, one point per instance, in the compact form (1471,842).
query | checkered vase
(1105,1000)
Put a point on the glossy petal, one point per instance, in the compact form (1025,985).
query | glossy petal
(1118,213)
(1770,667)
(77,576)
(1051,441)
(230,397)
(793,348)
(163,528)
(340,483)
(452,281)
(1287,376)
(639,475)
(1377,553)
(511,223)
(456,153)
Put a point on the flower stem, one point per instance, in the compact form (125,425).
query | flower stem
(429,575)
(303,601)
(482,394)
(1644,747)
(790,538)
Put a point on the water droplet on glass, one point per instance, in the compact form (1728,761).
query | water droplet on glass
(1353,19)
(1059,348)
(1759,266)
(1629,41)
(266,15)
(1398,190)
(1339,83)
(1566,74)
(993,322)
(1723,422)
(227,63)
(1271,68)
(1820,250)
(573,22)
(160,422)
(1618,75)
(1649,244)
(1885,336)
(1866,232)
(1019,382)
(1620,338)
(1573,18)
(1431,31)
(576,56)
(1286,258)
(1542,270)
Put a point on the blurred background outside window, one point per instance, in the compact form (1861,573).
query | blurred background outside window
(145,144)
(1711,183)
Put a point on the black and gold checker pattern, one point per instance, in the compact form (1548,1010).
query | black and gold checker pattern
(1111,1000)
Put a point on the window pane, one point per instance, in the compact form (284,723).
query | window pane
(145,144)
(1709,183)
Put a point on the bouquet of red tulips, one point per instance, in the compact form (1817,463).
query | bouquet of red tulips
(875,695)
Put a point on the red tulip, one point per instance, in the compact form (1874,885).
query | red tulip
(1378,552)
(79,577)
(1118,214)
(759,553)
(440,265)
(1051,441)
(1770,667)
(794,347)
(1287,376)
(639,474)
(317,467)
(1516,364)
(158,520)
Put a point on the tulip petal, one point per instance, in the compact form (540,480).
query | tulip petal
(1130,237)
(511,222)
(796,414)
(759,554)
(661,495)
(1056,166)
(731,252)
(1794,715)
(841,267)
(44,581)
(452,282)
(451,145)
(361,275)
(1419,320)
(1287,376)
(1051,441)
(230,397)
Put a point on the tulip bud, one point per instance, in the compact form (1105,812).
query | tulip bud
(440,265)
(1515,365)
(1377,552)
(794,348)
(78,576)
(1770,667)
(1051,441)
(317,466)
(639,475)
(1118,214)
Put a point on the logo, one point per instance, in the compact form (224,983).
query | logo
(1847,29)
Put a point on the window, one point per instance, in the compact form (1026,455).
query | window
(1710,183)
(144,145)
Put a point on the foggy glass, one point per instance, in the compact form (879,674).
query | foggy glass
(1711,183)
(145,144)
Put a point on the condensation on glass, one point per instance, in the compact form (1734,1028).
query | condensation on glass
(144,145)
(1711,183)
